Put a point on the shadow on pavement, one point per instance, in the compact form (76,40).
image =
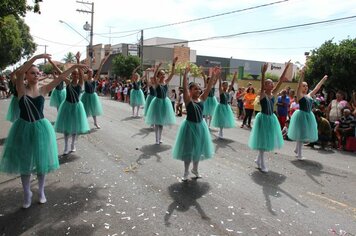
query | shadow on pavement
(270,186)
(56,217)
(326,151)
(131,118)
(223,143)
(149,151)
(92,130)
(144,132)
(2,141)
(67,158)
(184,196)
(313,169)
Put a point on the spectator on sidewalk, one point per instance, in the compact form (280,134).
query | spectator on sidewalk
(345,127)
(173,98)
(180,103)
(282,107)
(324,130)
(249,98)
(285,130)
(240,104)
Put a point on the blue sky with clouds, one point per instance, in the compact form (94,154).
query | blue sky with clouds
(118,16)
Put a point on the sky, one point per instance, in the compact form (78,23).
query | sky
(118,16)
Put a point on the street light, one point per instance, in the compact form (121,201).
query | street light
(89,27)
(61,21)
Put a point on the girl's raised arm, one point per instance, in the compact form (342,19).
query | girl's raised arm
(20,73)
(318,86)
(172,70)
(281,78)
(263,79)
(186,96)
(211,83)
(62,77)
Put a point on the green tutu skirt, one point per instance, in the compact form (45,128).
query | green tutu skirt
(57,97)
(209,106)
(13,112)
(303,127)
(136,98)
(266,134)
(193,142)
(148,102)
(71,119)
(223,117)
(160,112)
(92,104)
(30,147)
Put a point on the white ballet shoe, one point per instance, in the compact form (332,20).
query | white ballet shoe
(185,177)
(258,164)
(195,172)
(264,169)
(27,201)
(66,152)
(42,198)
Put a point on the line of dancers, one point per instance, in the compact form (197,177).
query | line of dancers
(31,146)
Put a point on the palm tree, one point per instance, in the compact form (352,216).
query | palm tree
(69,58)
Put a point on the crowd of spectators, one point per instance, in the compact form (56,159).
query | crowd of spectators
(335,114)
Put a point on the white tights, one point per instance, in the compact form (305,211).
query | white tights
(66,138)
(133,110)
(26,181)
(298,149)
(158,133)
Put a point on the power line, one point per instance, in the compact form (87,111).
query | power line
(58,42)
(61,51)
(117,36)
(256,31)
(262,48)
(202,18)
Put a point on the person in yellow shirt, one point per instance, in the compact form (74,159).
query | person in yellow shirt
(257,104)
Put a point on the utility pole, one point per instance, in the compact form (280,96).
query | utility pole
(91,30)
(141,51)
(110,34)
(45,46)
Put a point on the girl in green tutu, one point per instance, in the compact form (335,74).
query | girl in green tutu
(58,94)
(266,134)
(303,126)
(160,111)
(13,112)
(151,94)
(193,142)
(211,102)
(90,99)
(137,98)
(31,145)
(71,119)
(223,115)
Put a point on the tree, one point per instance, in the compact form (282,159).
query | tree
(46,68)
(18,8)
(338,61)
(15,40)
(123,66)
(69,58)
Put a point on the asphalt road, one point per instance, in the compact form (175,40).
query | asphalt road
(119,182)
